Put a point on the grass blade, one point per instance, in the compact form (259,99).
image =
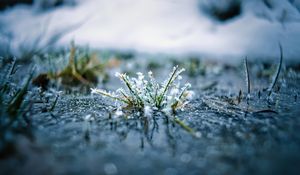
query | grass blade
(275,78)
(247,79)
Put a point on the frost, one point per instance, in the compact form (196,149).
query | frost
(89,118)
(148,95)
(118,113)
(147,111)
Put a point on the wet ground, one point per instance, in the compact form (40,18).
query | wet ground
(81,135)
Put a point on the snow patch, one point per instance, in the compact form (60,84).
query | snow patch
(154,26)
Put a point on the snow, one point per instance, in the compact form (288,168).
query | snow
(154,26)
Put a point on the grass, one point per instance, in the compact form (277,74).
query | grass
(14,107)
(232,106)
(275,77)
(83,69)
(247,80)
(147,94)
(141,92)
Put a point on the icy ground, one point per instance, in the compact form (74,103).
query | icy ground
(155,26)
(82,135)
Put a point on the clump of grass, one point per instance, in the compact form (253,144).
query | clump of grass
(80,70)
(195,67)
(14,108)
(147,94)
(83,69)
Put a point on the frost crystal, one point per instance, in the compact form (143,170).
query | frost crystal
(148,111)
(119,112)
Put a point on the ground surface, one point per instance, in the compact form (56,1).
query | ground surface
(259,138)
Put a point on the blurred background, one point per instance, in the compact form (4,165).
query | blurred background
(222,29)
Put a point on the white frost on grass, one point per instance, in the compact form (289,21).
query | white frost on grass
(148,95)
(155,26)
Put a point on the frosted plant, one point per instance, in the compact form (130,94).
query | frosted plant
(147,94)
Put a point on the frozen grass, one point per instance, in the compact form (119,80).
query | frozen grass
(275,78)
(247,80)
(233,106)
(14,107)
(82,69)
(148,94)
